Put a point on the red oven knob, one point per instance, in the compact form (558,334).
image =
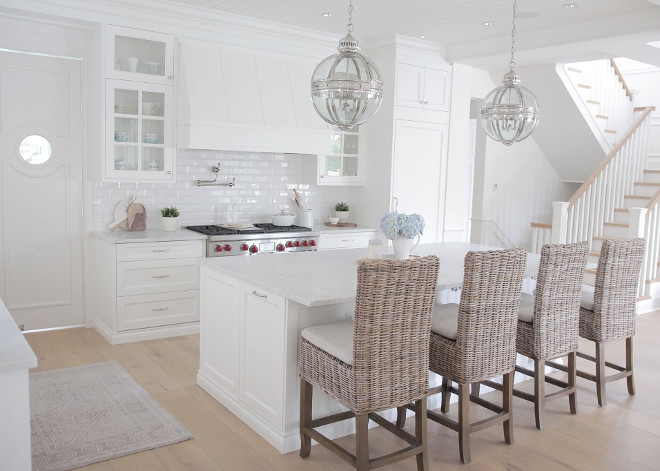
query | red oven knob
(297,243)
(254,249)
(227,248)
(280,248)
(305,243)
(289,243)
(244,246)
(312,243)
(218,248)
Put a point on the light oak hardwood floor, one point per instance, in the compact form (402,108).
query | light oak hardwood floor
(624,435)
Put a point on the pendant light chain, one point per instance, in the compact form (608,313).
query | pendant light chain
(349,26)
(512,64)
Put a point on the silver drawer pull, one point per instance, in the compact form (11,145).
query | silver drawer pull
(348,240)
(160,309)
(259,295)
(161,276)
(161,250)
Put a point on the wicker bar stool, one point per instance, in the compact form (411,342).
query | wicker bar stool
(375,362)
(608,311)
(548,324)
(476,340)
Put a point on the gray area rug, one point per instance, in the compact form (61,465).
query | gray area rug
(93,413)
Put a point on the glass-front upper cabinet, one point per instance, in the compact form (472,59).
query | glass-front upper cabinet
(134,54)
(342,164)
(139,144)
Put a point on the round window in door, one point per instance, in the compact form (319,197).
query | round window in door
(35,149)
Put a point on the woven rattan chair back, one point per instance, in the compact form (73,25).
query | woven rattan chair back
(391,330)
(488,313)
(557,299)
(615,293)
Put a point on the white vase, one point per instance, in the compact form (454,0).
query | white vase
(342,215)
(403,246)
(169,224)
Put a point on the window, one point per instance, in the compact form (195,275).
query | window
(35,149)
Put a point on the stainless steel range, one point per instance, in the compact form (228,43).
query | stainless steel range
(226,241)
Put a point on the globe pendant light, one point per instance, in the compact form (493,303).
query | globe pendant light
(510,113)
(347,88)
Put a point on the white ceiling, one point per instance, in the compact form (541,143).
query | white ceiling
(547,31)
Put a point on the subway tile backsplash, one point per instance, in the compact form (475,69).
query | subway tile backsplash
(262,188)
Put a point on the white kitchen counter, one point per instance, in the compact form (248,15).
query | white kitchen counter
(330,277)
(16,357)
(322,228)
(121,236)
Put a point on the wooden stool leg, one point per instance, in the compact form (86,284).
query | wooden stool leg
(507,406)
(362,442)
(420,434)
(600,374)
(401,416)
(539,393)
(629,366)
(464,421)
(306,391)
(572,397)
(444,405)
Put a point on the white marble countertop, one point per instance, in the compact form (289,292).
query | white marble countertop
(121,236)
(330,277)
(15,352)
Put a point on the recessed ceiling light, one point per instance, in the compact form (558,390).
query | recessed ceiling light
(326,15)
(423,36)
(570,5)
(487,23)
(654,44)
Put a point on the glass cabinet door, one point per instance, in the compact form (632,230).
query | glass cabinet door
(139,141)
(135,54)
(341,164)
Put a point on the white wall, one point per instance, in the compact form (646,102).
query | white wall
(261,187)
(514,185)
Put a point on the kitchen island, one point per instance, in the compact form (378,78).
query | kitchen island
(252,310)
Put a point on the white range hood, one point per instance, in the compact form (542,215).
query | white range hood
(238,99)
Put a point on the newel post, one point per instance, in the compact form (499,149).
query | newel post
(636,222)
(559,222)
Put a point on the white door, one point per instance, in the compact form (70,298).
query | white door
(41,190)
(419,159)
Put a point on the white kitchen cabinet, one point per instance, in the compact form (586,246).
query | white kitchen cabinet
(419,159)
(147,290)
(139,131)
(242,344)
(345,239)
(342,163)
(139,55)
(139,110)
(422,87)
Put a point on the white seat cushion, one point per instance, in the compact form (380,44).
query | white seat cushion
(445,320)
(587,297)
(336,339)
(526,311)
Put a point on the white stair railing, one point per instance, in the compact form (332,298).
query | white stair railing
(651,233)
(594,202)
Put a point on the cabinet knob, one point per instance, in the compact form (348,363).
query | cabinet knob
(169,172)
(169,77)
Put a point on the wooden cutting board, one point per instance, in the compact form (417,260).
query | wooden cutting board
(340,224)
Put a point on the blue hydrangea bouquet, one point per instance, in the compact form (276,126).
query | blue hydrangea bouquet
(396,225)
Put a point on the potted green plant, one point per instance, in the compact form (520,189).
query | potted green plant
(341,211)
(169,219)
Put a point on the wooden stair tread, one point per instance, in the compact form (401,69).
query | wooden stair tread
(543,225)
(615,224)
(637,197)
(653,280)
(590,270)
(621,210)
(581,85)
(643,298)
(607,238)
(647,184)
(610,131)
(600,116)
(573,69)
(593,102)
(651,171)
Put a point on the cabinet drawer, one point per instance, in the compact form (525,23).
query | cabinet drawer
(348,240)
(157,276)
(154,310)
(159,250)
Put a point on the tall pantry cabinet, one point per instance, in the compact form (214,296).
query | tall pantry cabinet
(408,137)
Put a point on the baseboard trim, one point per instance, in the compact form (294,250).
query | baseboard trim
(151,333)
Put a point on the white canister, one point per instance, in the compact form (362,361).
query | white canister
(305,218)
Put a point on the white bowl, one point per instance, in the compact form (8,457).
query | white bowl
(333,220)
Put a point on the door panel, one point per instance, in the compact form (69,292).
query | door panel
(41,203)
